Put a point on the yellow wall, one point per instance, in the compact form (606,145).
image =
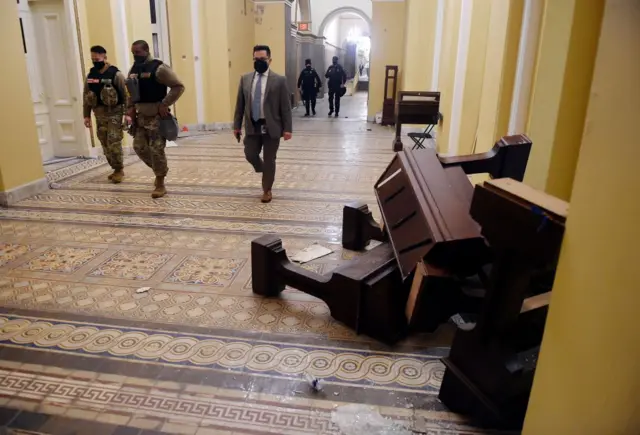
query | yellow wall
(419,43)
(231,56)
(447,69)
(240,40)
(499,73)
(584,41)
(139,21)
(101,27)
(213,27)
(387,48)
(85,43)
(568,42)
(83,28)
(474,76)
(270,30)
(509,65)
(180,31)
(587,380)
(536,65)
(101,17)
(20,158)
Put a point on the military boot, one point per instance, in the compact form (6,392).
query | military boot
(160,190)
(117,176)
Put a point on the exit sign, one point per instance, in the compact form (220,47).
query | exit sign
(303,26)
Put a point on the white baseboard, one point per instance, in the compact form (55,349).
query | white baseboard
(203,128)
(25,191)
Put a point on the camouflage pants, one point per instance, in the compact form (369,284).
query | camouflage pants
(149,145)
(110,135)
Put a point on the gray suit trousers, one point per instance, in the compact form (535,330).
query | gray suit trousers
(253,144)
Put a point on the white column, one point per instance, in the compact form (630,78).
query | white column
(199,90)
(437,46)
(460,75)
(527,51)
(163,30)
(119,12)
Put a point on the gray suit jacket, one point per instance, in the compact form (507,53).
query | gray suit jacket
(277,106)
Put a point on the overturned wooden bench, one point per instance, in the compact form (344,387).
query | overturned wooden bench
(425,204)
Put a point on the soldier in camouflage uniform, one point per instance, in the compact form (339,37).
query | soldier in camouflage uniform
(153,78)
(105,95)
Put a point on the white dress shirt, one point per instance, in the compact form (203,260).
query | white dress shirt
(265,77)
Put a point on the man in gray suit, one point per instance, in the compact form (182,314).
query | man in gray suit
(264,105)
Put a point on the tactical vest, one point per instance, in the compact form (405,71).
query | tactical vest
(309,79)
(103,88)
(150,90)
(335,78)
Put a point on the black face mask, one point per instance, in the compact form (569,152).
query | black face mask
(99,65)
(139,59)
(308,66)
(261,66)
(335,62)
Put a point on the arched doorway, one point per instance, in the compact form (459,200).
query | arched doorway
(347,32)
(331,16)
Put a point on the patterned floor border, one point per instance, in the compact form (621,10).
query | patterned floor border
(328,232)
(418,373)
(186,408)
(228,192)
(78,168)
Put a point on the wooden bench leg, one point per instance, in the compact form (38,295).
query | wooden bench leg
(267,256)
(359,227)
(397,144)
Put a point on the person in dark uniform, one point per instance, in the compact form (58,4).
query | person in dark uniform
(337,79)
(309,83)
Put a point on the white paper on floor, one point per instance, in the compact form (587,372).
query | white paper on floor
(372,244)
(171,144)
(357,419)
(315,383)
(311,253)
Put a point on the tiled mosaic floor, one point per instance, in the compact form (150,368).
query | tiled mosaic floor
(83,352)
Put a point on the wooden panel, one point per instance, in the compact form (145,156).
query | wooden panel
(541,199)
(461,185)
(453,214)
(423,210)
(490,368)
(507,159)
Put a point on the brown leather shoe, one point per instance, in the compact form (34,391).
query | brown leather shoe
(116,177)
(160,190)
(266,197)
